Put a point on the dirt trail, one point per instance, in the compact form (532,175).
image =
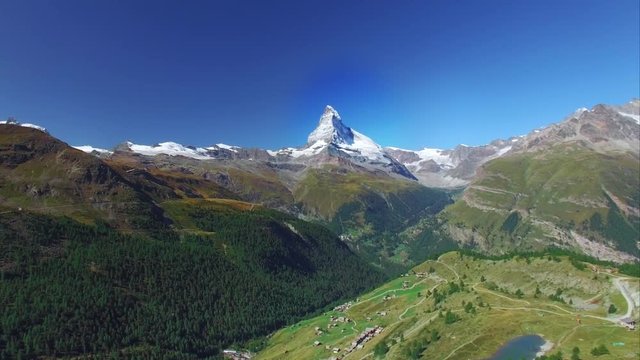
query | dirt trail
(627,296)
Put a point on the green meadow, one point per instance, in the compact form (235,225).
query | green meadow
(462,307)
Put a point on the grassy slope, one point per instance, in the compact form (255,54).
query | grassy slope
(370,210)
(43,174)
(241,180)
(325,191)
(412,316)
(564,186)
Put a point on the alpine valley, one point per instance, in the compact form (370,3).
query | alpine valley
(179,251)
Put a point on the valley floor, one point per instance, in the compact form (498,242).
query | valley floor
(459,307)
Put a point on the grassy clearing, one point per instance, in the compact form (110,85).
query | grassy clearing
(546,296)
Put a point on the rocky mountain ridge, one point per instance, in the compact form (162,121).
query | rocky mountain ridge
(605,127)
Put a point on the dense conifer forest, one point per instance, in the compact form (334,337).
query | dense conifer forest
(68,289)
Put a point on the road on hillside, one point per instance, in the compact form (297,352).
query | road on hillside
(625,292)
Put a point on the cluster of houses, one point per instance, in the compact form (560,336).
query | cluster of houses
(364,337)
(356,344)
(417,274)
(335,320)
(236,355)
(344,307)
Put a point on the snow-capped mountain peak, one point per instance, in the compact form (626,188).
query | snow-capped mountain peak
(329,110)
(332,139)
(330,129)
(332,132)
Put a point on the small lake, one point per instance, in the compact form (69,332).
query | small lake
(522,347)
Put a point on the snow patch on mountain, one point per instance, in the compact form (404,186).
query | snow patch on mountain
(225,146)
(33,126)
(439,156)
(503,151)
(453,167)
(579,111)
(635,117)
(310,150)
(174,149)
(364,146)
(171,149)
(90,149)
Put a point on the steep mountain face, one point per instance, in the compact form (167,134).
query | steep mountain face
(449,168)
(604,127)
(332,140)
(573,184)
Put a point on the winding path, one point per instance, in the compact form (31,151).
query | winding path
(421,301)
(625,292)
(450,268)
(460,347)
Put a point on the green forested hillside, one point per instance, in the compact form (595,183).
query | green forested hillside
(531,200)
(371,213)
(68,289)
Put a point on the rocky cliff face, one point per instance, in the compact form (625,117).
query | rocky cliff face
(602,128)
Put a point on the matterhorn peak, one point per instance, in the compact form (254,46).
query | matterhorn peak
(330,129)
(329,113)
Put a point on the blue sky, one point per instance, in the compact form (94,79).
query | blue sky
(259,73)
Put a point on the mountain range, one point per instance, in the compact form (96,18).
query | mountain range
(437,168)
